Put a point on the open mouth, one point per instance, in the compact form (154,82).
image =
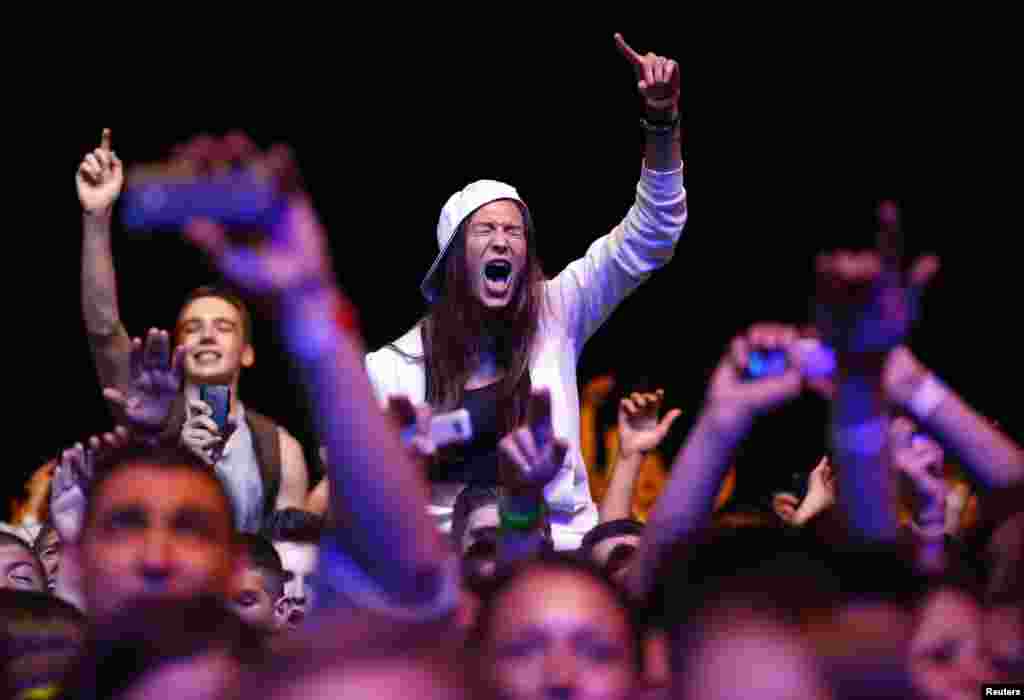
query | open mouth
(207,356)
(498,270)
(498,275)
(295,617)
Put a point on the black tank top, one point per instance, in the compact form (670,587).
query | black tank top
(475,462)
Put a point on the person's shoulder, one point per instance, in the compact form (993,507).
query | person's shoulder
(408,346)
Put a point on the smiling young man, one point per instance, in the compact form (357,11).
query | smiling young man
(261,465)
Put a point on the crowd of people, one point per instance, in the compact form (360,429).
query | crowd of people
(185,553)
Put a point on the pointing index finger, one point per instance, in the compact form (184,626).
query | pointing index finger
(627,51)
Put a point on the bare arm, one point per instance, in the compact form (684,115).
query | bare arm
(294,476)
(99,180)
(686,504)
(388,554)
(994,459)
(639,433)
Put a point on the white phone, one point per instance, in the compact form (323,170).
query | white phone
(446,428)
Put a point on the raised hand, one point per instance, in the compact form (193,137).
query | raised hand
(414,424)
(201,435)
(290,259)
(639,428)
(658,77)
(157,377)
(99,178)
(866,304)
(821,495)
(733,397)
(920,460)
(532,455)
(75,469)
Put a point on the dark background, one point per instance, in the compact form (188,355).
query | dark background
(791,138)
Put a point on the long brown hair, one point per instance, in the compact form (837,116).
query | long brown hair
(454,329)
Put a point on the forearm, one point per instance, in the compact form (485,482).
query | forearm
(992,457)
(663,151)
(618,498)
(686,505)
(99,283)
(375,485)
(860,424)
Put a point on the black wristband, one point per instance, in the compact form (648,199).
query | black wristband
(661,127)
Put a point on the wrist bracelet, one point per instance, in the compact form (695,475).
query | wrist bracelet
(927,397)
(656,127)
(519,521)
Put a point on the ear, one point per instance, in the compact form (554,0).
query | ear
(248,356)
(282,607)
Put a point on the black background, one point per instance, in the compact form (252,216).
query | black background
(792,135)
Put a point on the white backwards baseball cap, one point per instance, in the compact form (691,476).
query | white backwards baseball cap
(456,210)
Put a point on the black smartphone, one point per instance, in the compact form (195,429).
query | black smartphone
(235,199)
(218,398)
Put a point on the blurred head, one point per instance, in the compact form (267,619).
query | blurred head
(40,636)
(257,594)
(558,628)
(741,589)
(158,524)
(948,659)
(475,514)
(20,568)
(217,324)
(1003,632)
(296,537)
(358,656)
(612,546)
(47,547)
(745,653)
(183,649)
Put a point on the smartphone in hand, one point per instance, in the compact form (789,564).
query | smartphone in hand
(218,398)
(239,198)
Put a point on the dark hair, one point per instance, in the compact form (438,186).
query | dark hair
(468,500)
(7,538)
(294,525)
(261,555)
(558,561)
(226,294)
(786,576)
(457,323)
(39,625)
(153,633)
(44,532)
(166,457)
(607,530)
